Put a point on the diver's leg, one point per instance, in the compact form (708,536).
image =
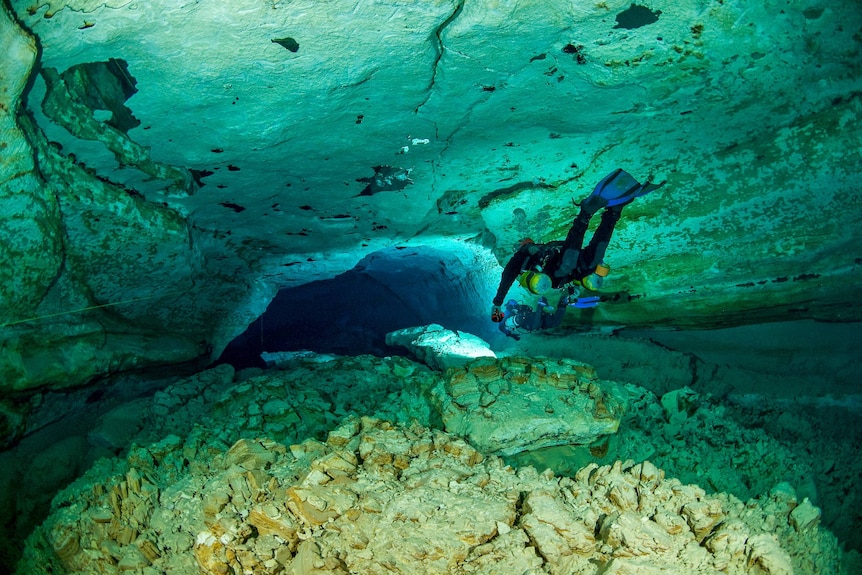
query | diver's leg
(575,237)
(553,320)
(573,242)
(594,253)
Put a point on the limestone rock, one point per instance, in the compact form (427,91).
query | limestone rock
(97,224)
(440,348)
(702,517)
(560,537)
(514,404)
(377,497)
(117,427)
(805,516)
(132,559)
(228,492)
(251,454)
(685,434)
(765,553)
(286,359)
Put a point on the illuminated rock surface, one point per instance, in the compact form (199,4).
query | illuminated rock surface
(438,347)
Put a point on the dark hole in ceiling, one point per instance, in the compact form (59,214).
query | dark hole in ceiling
(636,16)
(289,43)
(105,86)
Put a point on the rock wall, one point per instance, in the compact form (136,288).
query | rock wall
(94,279)
(30,234)
(159,181)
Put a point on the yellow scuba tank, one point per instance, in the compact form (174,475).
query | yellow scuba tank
(593,282)
(535,282)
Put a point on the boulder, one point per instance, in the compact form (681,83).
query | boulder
(515,404)
(438,347)
(288,359)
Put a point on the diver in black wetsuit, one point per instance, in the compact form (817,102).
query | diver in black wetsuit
(558,263)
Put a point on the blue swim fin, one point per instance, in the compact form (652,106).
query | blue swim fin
(618,187)
(586,302)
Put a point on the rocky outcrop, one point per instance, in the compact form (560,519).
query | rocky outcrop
(501,406)
(516,404)
(440,348)
(94,279)
(195,436)
(376,497)
(30,234)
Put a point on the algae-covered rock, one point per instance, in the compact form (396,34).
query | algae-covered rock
(501,406)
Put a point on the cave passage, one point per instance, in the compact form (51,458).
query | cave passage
(352,313)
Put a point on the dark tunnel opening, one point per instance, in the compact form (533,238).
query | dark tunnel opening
(351,314)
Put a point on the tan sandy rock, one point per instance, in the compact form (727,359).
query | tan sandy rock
(515,404)
(805,516)
(377,497)
(223,494)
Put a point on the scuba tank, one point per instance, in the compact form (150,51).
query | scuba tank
(535,282)
(594,281)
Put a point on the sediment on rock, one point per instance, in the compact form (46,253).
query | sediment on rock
(514,404)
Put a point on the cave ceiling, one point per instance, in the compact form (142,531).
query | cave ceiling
(209,153)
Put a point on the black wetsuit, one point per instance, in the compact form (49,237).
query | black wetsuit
(527,319)
(563,261)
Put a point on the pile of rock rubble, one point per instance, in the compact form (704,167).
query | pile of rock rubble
(376,497)
(381,465)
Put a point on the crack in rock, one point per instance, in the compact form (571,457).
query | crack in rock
(439,48)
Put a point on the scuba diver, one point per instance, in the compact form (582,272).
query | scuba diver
(521,316)
(566,265)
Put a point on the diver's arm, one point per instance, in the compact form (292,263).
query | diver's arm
(510,273)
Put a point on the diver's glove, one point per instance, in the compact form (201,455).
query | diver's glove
(496,314)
